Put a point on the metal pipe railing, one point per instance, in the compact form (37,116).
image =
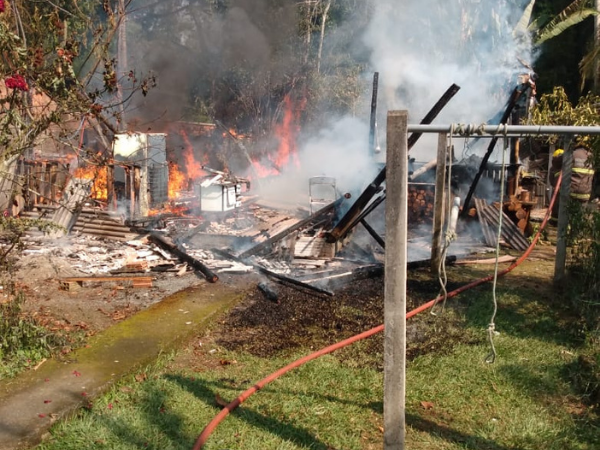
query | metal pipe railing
(483,130)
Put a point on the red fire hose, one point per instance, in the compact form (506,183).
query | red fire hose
(246,394)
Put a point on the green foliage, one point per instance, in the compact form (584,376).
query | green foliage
(23,341)
(583,238)
(52,57)
(573,14)
(555,108)
(456,400)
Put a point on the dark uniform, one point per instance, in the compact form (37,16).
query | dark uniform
(582,176)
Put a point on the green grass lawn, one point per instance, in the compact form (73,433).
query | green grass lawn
(526,399)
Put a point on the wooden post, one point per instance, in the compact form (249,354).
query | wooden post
(140,191)
(396,215)
(110,188)
(132,203)
(438,204)
(563,215)
(549,188)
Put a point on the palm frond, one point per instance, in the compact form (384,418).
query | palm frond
(588,64)
(525,20)
(573,14)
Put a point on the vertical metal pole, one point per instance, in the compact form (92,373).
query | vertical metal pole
(438,203)
(396,215)
(563,215)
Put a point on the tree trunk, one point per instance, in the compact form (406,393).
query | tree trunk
(121,60)
(323,22)
(597,45)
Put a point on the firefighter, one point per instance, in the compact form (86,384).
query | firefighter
(582,176)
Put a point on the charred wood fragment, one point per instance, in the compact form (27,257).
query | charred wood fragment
(183,256)
(270,293)
(373,233)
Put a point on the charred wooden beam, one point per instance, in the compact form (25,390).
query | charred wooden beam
(374,204)
(512,102)
(344,224)
(373,233)
(292,281)
(71,283)
(183,256)
(370,271)
(373,124)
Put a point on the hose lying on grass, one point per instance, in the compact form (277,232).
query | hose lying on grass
(299,362)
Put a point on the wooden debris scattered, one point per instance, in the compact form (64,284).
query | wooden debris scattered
(73,283)
(133,267)
(272,239)
(501,259)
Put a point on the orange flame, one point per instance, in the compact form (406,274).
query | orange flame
(192,166)
(287,132)
(177,181)
(99,175)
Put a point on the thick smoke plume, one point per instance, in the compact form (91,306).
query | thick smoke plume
(420,49)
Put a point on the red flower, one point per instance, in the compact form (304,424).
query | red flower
(16,82)
(77,374)
(2,6)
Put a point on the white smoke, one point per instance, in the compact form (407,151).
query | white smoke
(422,48)
(338,150)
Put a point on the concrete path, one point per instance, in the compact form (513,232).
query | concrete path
(31,403)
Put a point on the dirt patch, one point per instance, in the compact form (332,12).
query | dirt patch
(90,306)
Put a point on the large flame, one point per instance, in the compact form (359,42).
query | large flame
(178,181)
(287,132)
(99,175)
(192,166)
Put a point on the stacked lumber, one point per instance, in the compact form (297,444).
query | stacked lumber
(420,203)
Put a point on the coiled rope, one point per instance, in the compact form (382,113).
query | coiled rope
(450,234)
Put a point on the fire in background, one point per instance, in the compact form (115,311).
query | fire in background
(100,176)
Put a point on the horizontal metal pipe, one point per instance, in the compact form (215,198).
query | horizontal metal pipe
(461,129)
